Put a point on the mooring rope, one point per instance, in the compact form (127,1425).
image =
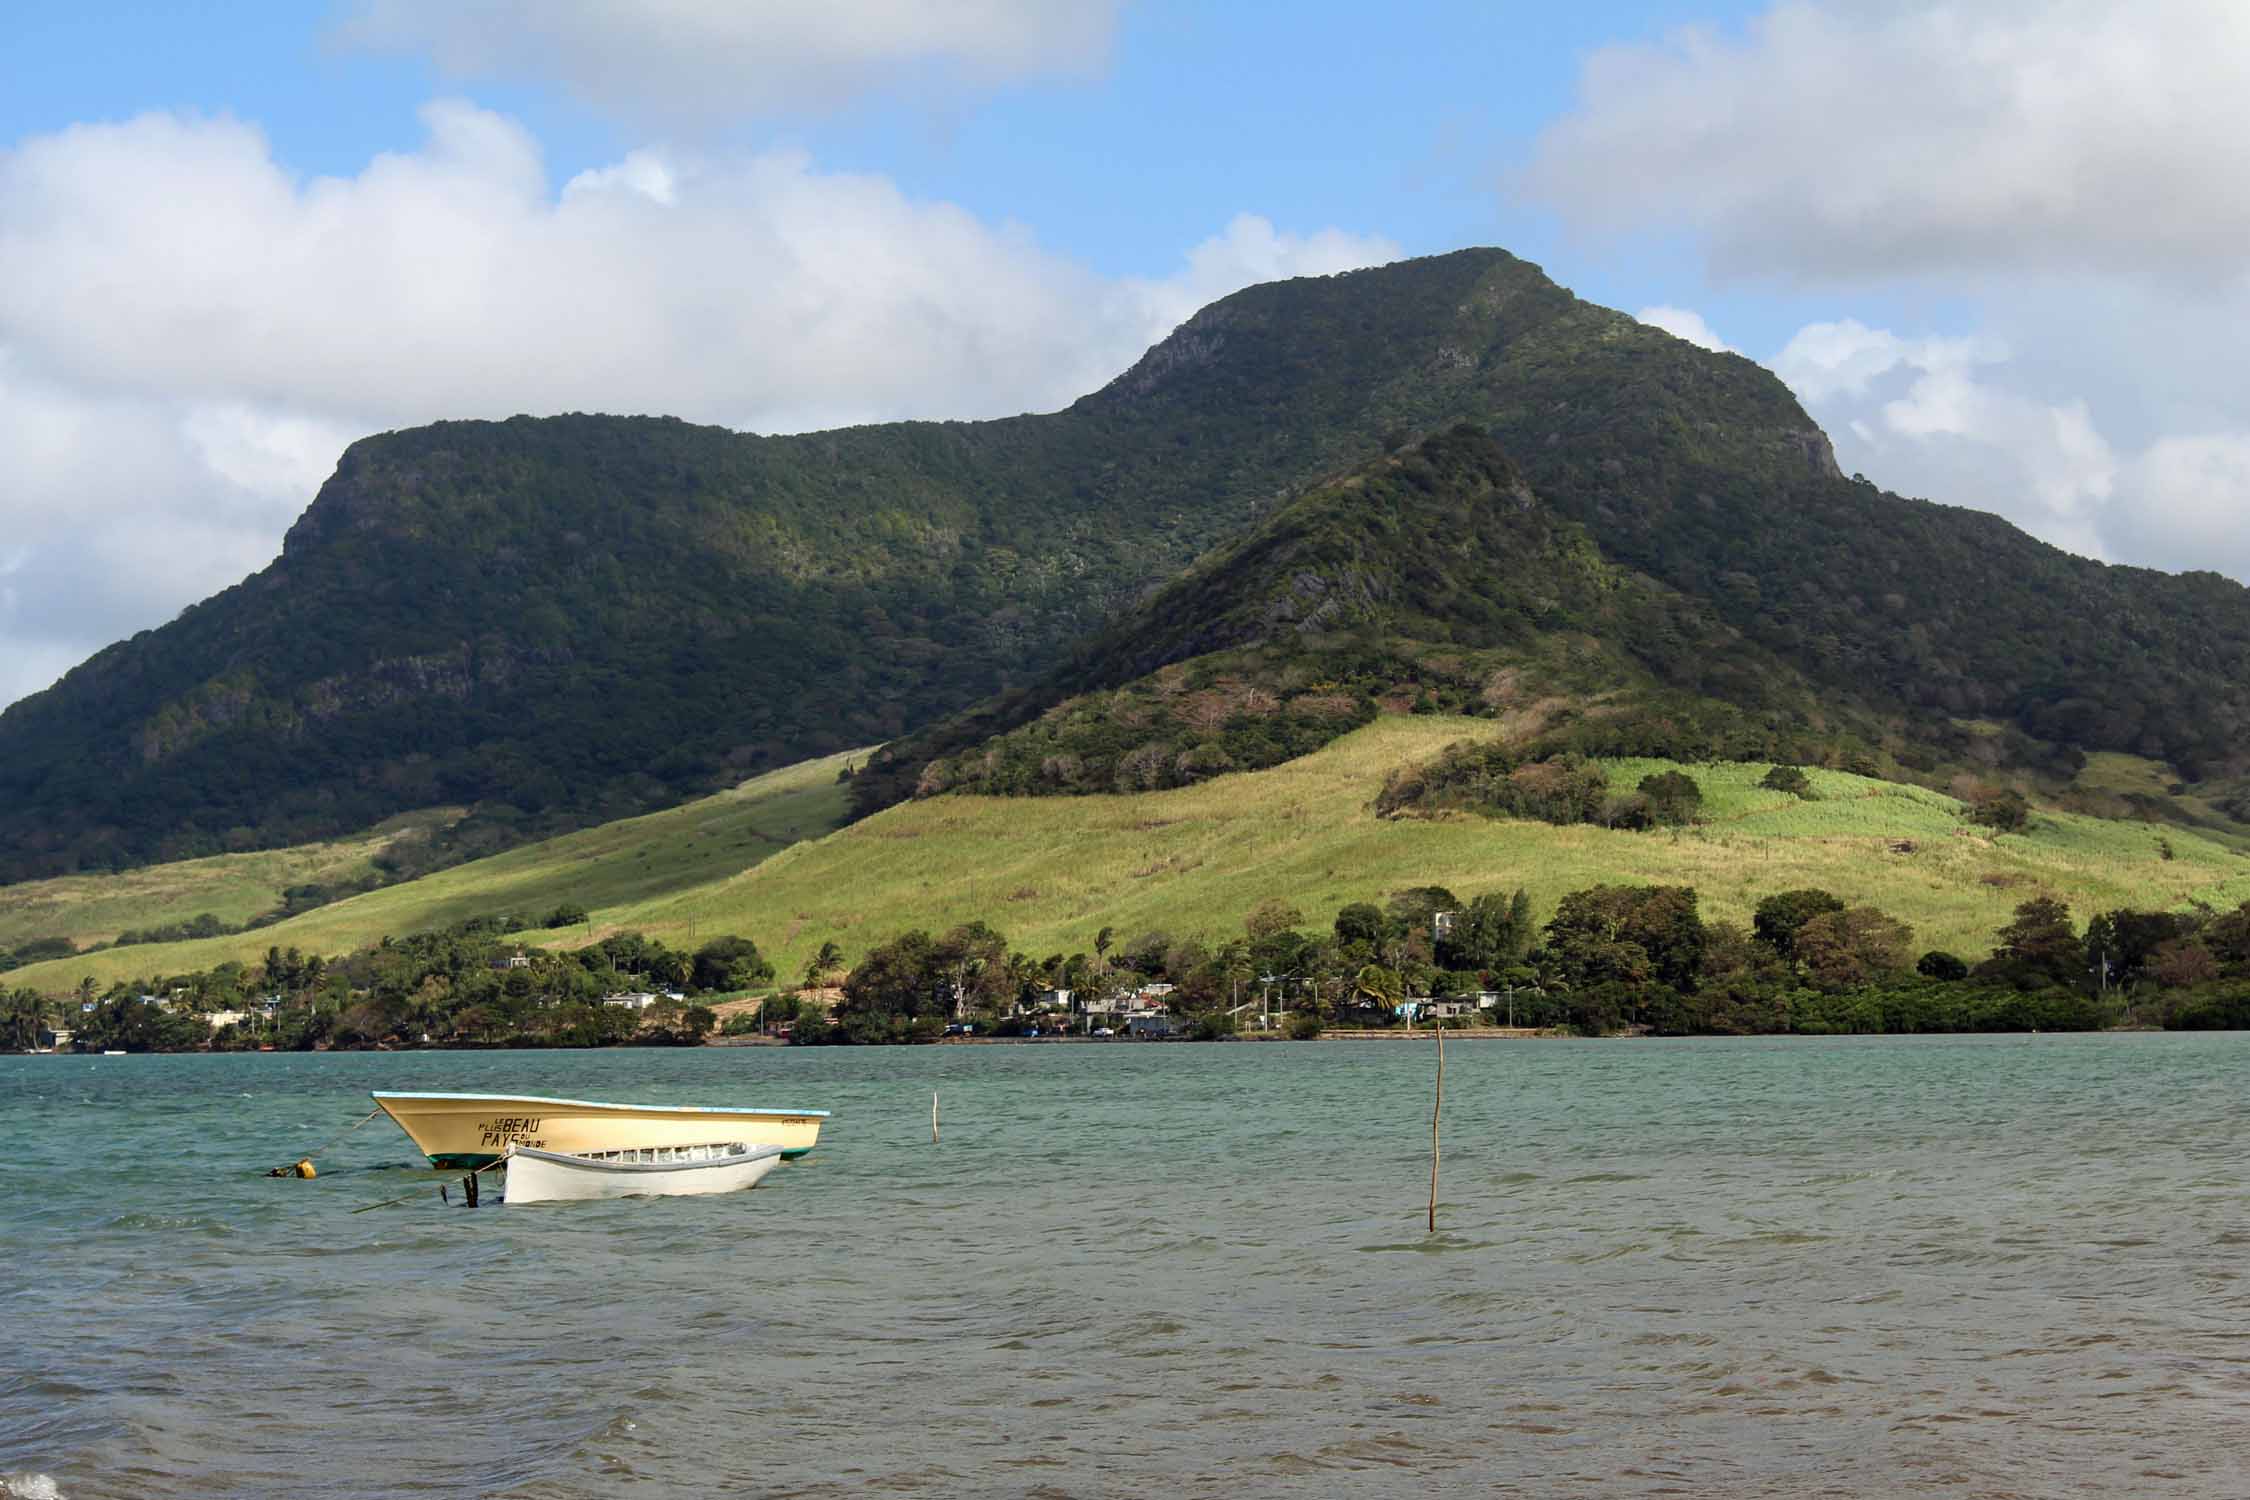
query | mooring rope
(292,1169)
(401,1198)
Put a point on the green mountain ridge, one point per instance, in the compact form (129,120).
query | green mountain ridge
(563,620)
(1432,579)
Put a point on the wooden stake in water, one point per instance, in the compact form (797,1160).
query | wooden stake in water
(933,1117)
(1435,1105)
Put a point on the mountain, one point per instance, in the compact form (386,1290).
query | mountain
(1430,580)
(568,619)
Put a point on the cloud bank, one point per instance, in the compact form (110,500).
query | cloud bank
(2067,171)
(690,61)
(1849,140)
(190,334)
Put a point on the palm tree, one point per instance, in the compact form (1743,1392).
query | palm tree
(23,1013)
(1378,987)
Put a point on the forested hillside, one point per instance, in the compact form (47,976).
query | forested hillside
(568,619)
(1431,580)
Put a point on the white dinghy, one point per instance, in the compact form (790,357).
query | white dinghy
(536,1176)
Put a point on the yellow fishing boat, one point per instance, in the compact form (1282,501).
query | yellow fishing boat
(471,1130)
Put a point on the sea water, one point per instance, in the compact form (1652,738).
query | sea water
(2007,1266)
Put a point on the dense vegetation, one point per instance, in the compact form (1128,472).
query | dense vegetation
(468,985)
(1500,781)
(1431,581)
(1612,958)
(560,621)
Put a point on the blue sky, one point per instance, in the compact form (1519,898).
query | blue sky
(1989,246)
(1310,113)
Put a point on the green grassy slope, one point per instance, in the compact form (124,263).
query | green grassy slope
(1050,872)
(618,865)
(232,887)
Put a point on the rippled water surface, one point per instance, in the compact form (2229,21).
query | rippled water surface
(1981,1267)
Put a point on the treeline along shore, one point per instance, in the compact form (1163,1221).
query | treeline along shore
(1611,959)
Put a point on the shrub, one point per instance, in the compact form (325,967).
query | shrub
(2003,810)
(1211,1026)
(1304,1026)
(1779,917)
(569,914)
(1940,965)
(1789,779)
(1673,797)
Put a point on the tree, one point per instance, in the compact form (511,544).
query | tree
(2183,963)
(1778,918)
(1415,909)
(2001,809)
(730,963)
(897,979)
(817,968)
(2228,937)
(1361,922)
(973,961)
(2121,945)
(569,914)
(1857,946)
(1494,932)
(23,1013)
(1377,986)
(1942,966)
(1595,934)
(1673,797)
(1271,917)
(1790,779)
(2039,945)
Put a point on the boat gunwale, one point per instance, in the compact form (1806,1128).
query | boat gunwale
(379,1095)
(566,1159)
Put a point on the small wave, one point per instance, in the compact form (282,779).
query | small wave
(171,1223)
(30,1487)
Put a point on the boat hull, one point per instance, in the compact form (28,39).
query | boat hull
(471,1130)
(536,1176)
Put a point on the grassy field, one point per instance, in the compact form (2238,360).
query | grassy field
(1050,872)
(232,887)
(621,864)
(2125,780)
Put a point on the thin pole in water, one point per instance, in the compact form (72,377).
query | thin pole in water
(1437,1104)
(933,1117)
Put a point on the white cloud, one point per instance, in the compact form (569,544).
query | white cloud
(681,61)
(189,334)
(2193,507)
(1852,140)
(2064,176)
(1684,323)
(1946,418)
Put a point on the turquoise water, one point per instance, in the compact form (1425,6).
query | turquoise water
(1974,1267)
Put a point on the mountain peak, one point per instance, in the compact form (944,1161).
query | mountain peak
(559,619)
